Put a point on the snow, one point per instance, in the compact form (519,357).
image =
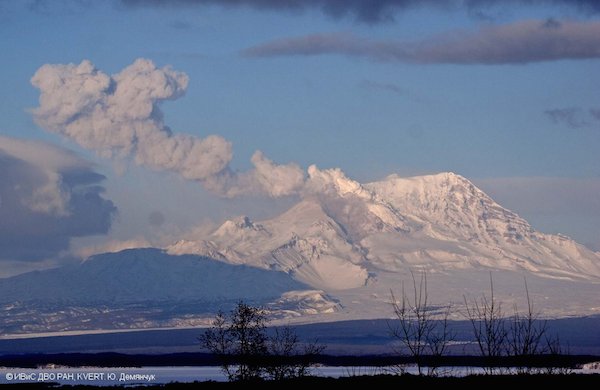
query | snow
(592,367)
(334,255)
(356,242)
(334,181)
(304,242)
(332,240)
(304,302)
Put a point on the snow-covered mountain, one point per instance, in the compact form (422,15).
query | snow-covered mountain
(342,234)
(335,255)
(145,288)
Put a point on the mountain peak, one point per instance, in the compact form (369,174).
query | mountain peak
(355,241)
(428,190)
(439,221)
(441,178)
(241,223)
(334,182)
(450,177)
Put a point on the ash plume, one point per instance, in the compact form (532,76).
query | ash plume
(118,116)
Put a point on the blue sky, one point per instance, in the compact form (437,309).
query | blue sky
(499,92)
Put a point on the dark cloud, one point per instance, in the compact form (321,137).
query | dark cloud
(48,196)
(571,116)
(574,117)
(516,43)
(583,6)
(371,11)
(364,11)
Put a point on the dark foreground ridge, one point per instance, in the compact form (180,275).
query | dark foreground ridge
(204,359)
(471,381)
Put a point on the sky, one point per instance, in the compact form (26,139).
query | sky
(133,123)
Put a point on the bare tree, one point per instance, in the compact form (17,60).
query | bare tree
(417,329)
(219,341)
(526,334)
(439,340)
(248,329)
(489,327)
(288,358)
(241,343)
(523,336)
(555,349)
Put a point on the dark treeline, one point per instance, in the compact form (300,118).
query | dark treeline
(205,359)
(380,381)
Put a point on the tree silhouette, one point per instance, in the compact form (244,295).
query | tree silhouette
(246,352)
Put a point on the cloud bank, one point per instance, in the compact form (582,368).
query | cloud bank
(515,43)
(47,196)
(367,11)
(119,117)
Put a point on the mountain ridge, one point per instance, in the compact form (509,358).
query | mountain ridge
(147,273)
(334,255)
(433,222)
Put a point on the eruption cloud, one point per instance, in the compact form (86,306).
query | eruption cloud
(119,117)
